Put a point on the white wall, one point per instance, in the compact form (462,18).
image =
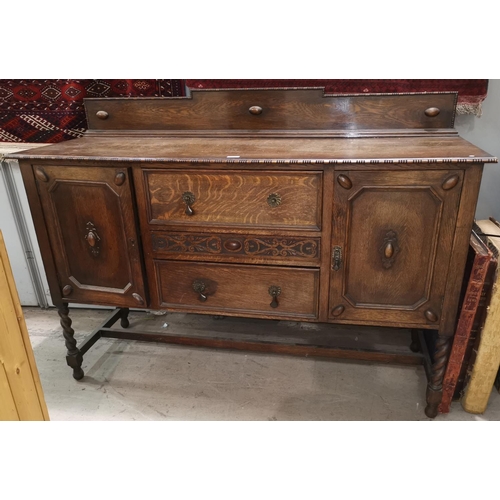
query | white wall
(484,132)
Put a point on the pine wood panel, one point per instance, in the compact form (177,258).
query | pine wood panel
(21,394)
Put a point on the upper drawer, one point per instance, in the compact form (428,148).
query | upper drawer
(234,198)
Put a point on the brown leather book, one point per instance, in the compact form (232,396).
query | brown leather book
(487,354)
(475,334)
(482,257)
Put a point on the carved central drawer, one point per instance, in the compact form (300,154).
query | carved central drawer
(249,248)
(234,198)
(245,290)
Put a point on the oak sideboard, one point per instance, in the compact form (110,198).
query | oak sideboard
(276,204)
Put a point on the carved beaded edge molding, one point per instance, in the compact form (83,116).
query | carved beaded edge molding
(288,161)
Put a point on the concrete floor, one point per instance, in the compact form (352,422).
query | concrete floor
(130,380)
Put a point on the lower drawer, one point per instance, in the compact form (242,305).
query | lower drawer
(248,290)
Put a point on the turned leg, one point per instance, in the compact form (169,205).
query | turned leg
(124,317)
(435,384)
(74,357)
(415,341)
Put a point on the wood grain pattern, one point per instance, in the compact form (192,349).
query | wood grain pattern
(92,234)
(279,109)
(42,235)
(411,205)
(226,152)
(235,198)
(458,255)
(21,394)
(242,289)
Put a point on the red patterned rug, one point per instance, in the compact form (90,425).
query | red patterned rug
(52,110)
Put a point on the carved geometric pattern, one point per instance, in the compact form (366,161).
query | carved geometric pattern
(187,243)
(281,247)
(236,245)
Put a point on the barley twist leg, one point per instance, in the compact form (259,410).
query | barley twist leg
(74,357)
(435,384)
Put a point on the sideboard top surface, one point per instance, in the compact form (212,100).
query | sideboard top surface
(274,125)
(248,150)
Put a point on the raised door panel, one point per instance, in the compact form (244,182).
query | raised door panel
(91,224)
(392,240)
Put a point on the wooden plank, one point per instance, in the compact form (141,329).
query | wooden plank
(268,347)
(16,354)
(8,410)
(272,109)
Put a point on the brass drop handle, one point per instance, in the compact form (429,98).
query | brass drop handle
(389,250)
(91,239)
(188,198)
(274,292)
(200,287)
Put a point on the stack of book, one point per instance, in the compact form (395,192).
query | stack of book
(475,355)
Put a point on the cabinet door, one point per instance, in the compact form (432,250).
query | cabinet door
(392,241)
(90,220)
